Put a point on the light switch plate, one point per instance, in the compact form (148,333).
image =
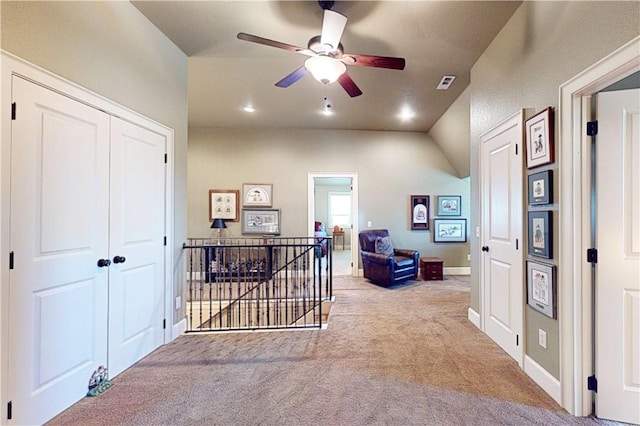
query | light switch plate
(542,338)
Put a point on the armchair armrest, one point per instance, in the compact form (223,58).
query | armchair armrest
(405,252)
(376,257)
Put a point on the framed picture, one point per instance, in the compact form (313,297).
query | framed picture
(449,205)
(223,204)
(420,212)
(541,188)
(257,195)
(449,230)
(261,221)
(540,234)
(539,131)
(541,288)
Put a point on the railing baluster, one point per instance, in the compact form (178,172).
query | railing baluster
(270,282)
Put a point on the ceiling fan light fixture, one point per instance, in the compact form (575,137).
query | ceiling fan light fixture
(324,68)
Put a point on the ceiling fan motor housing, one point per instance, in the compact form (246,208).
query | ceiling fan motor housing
(326,4)
(315,45)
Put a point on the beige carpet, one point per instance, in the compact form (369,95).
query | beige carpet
(400,356)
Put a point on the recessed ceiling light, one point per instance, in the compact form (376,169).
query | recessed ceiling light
(406,114)
(249,108)
(326,111)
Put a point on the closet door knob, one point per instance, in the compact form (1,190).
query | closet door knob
(119,259)
(485,248)
(103,263)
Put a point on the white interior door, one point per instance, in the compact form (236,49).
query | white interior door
(502,278)
(618,267)
(136,285)
(59,213)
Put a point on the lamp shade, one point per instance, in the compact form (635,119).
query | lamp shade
(218,224)
(324,68)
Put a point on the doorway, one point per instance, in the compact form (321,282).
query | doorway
(336,193)
(575,314)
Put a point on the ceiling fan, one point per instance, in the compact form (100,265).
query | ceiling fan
(327,60)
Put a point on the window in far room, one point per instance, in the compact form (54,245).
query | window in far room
(339,209)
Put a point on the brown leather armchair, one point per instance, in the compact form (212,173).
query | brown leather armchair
(387,265)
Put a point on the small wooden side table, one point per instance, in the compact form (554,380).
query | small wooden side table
(338,234)
(431,268)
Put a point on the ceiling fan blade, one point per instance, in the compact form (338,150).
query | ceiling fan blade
(349,85)
(333,25)
(293,77)
(273,43)
(373,61)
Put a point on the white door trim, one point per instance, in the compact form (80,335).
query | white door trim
(311,207)
(574,272)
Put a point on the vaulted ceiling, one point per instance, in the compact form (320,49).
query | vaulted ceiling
(436,38)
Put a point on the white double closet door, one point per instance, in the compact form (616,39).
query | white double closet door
(85,186)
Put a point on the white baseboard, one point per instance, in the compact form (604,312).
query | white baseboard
(474,317)
(458,270)
(179,328)
(546,381)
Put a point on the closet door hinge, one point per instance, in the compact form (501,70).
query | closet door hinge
(164,324)
(592,383)
(13,111)
(165,241)
(592,128)
(166,158)
(516,244)
(516,149)
(592,256)
(517,340)
(11,260)
(9,410)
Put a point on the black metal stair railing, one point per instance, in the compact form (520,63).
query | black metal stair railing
(257,283)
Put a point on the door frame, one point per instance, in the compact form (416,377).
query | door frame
(311,205)
(575,317)
(13,65)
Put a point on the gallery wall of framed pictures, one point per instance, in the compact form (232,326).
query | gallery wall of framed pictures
(541,265)
(257,215)
(448,225)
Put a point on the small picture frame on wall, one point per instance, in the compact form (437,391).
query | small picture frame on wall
(420,212)
(539,132)
(449,205)
(540,234)
(449,230)
(541,188)
(223,204)
(261,221)
(257,195)
(541,288)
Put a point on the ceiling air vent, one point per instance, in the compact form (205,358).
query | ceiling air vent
(446,82)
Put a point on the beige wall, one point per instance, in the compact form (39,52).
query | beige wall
(113,50)
(391,166)
(542,46)
(451,133)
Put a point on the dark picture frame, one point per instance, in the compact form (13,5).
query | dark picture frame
(261,221)
(449,205)
(540,232)
(541,188)
(449,230)
(539,132)
(224,204)
(420,212)
(541,288)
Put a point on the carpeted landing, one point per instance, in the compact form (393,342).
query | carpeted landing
(405,355)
